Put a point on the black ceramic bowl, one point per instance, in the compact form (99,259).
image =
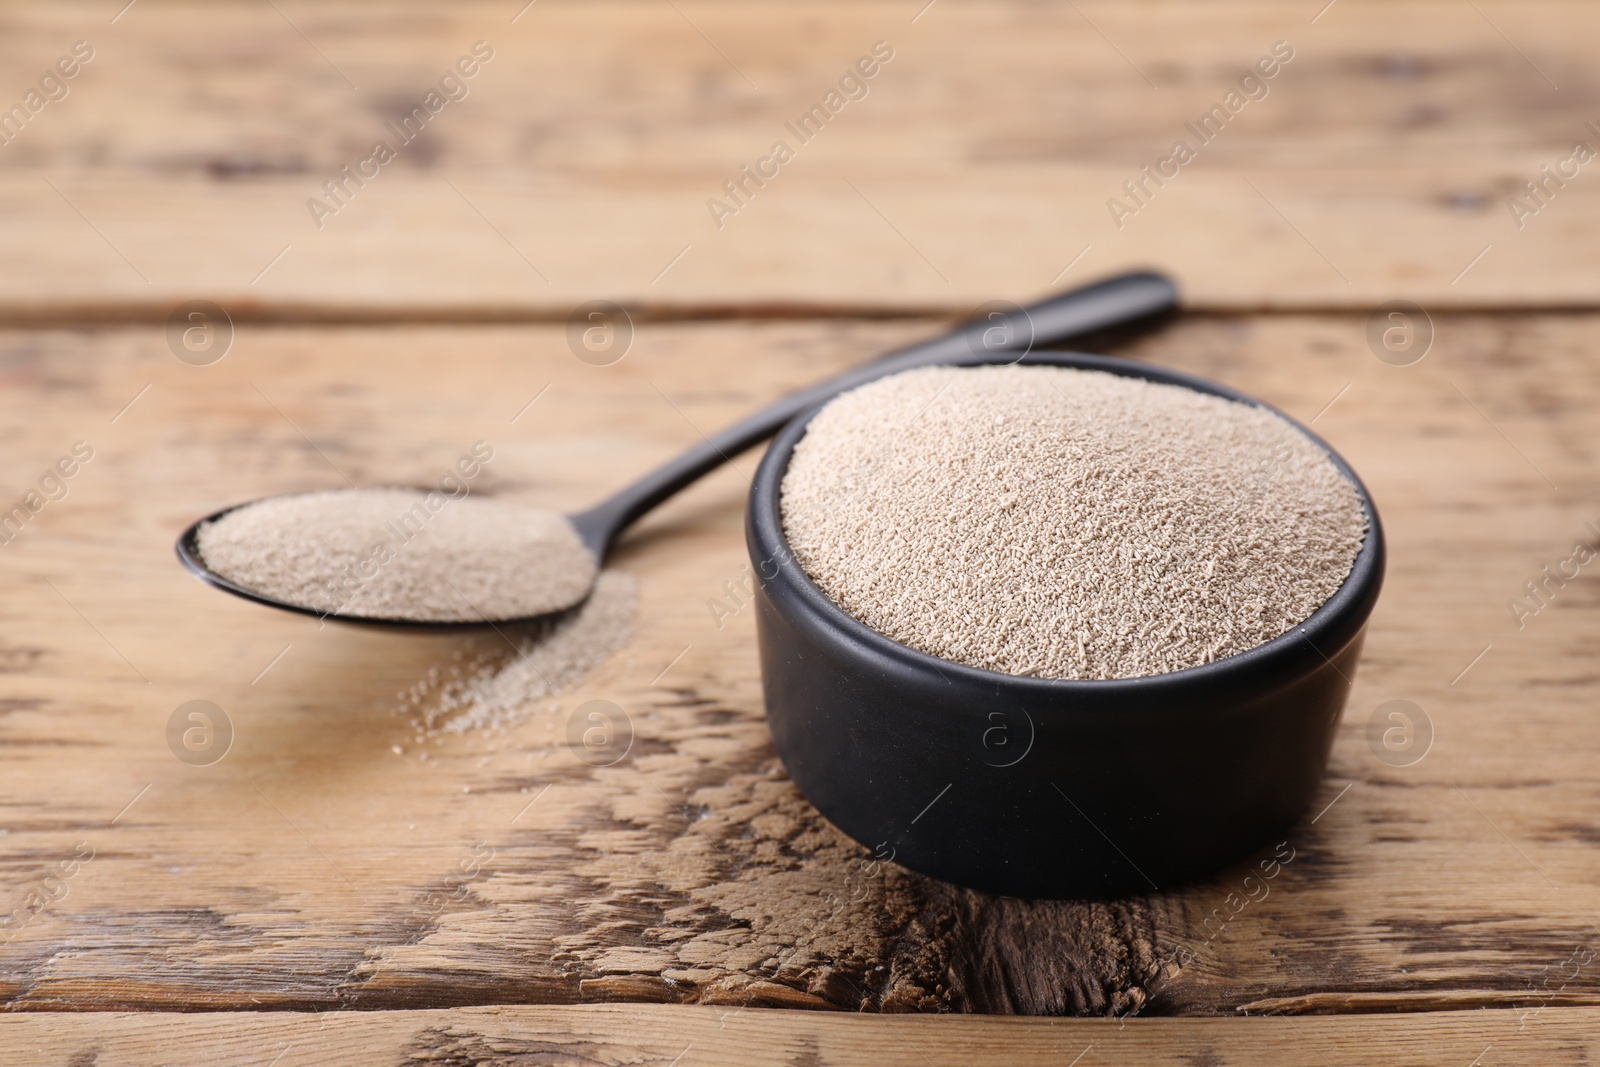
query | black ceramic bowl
(1039,788)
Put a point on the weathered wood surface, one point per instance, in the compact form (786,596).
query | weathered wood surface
(316,867)
(478,893)
(618,1036)
(979,164)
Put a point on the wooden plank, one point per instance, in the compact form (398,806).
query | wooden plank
(316,866)
(615,1035)
(980,163)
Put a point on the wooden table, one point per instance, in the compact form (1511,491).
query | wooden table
(335,888)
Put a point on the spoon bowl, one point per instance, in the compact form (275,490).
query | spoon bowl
(193,560)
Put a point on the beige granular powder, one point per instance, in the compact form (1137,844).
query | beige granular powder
(402,554)
(1061,523)
(550,656)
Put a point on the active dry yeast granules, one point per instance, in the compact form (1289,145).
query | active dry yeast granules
(401,554)
(1064,523)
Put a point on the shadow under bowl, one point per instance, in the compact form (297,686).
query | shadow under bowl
(1043,788)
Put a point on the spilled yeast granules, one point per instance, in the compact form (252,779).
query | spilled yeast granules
(1063,523)
(501,676)
(551,656)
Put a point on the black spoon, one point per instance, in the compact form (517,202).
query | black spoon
(1127,301)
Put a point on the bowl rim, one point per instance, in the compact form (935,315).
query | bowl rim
(1327,631)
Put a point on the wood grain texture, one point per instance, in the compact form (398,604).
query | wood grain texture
(979,165)
(617,1036)
(486,896)
(325,861)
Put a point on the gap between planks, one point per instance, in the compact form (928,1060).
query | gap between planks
(117,313)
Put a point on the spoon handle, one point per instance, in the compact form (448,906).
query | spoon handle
(1115,302)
